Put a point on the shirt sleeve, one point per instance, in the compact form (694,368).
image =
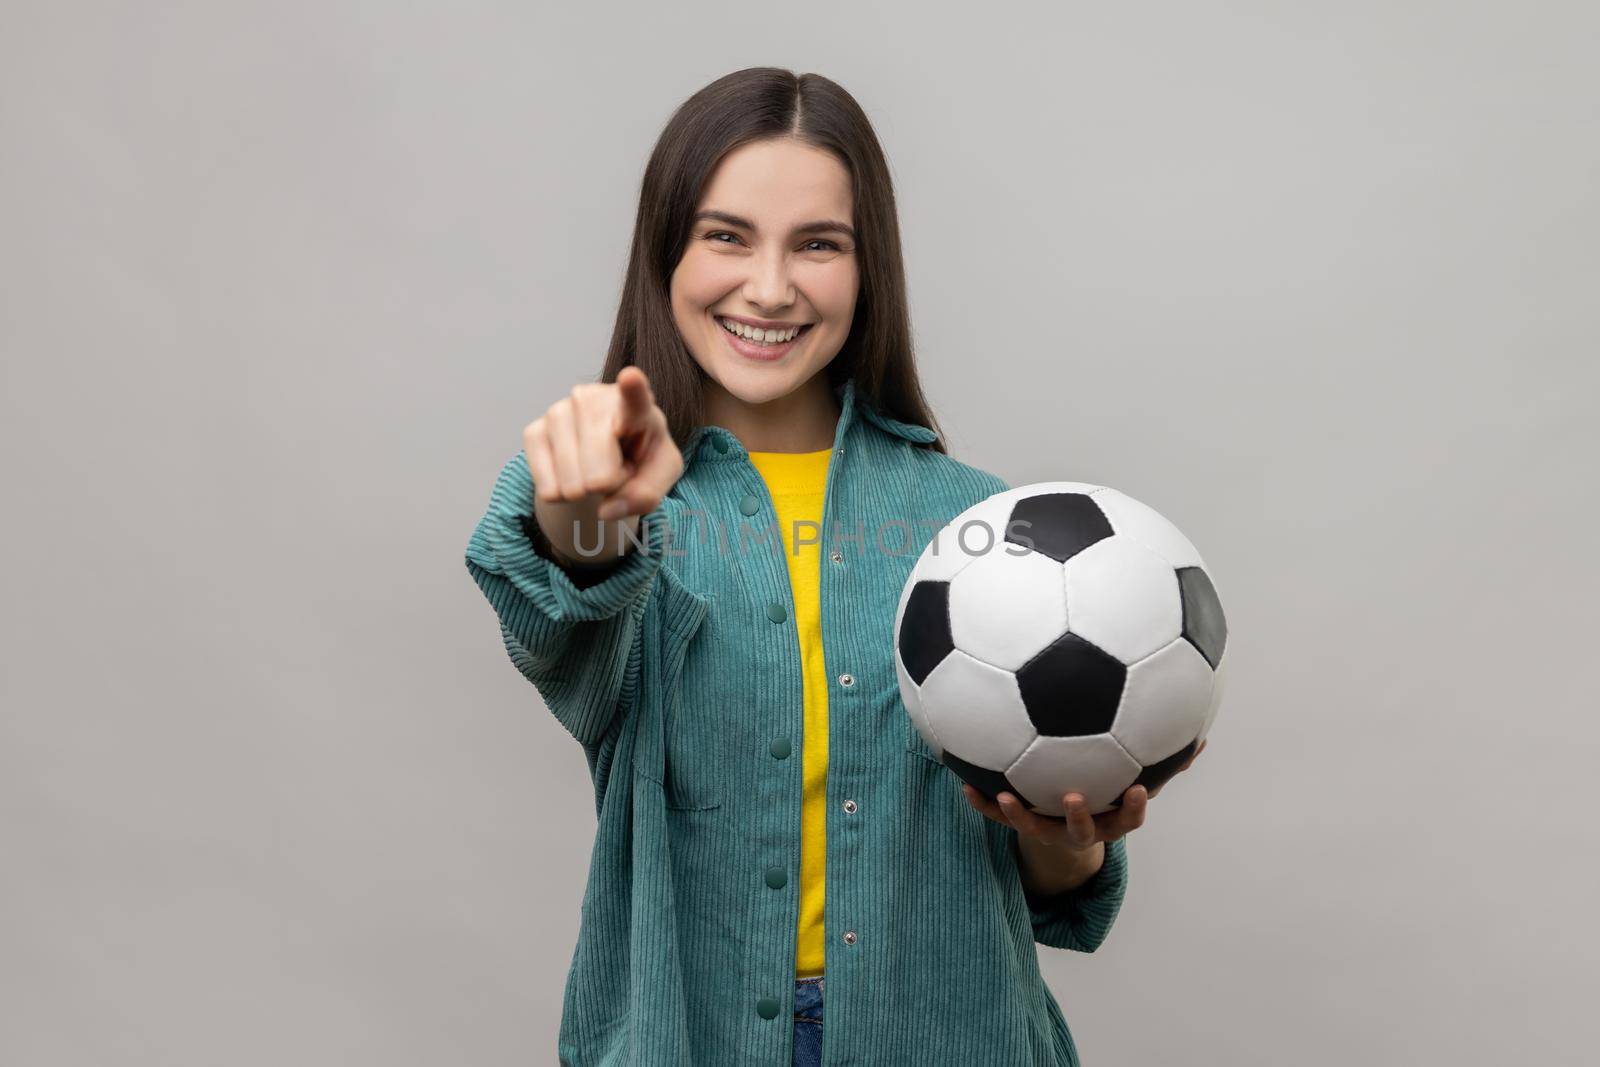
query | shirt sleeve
(1080,918)
(577,641)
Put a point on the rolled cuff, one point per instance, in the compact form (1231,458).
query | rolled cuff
(1081,917)
(502,545)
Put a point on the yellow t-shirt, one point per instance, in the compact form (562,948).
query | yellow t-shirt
(796,481)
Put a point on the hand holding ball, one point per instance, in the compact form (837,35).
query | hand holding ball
(1061,638)
(1078,830)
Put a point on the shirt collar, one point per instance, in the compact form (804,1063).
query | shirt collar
(719,443)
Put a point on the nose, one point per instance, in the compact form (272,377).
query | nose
(767,286)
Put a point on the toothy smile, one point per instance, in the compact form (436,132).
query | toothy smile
(760,336)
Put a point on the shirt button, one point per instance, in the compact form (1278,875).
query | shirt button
(719,443)
(776,879)
(750,505)
(836,556)
(777,612)
(849,937)
(767,1007)
(780,748)
(849,807)
(847,680)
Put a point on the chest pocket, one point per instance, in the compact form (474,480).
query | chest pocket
(681,746)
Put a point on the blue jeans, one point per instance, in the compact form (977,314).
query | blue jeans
(808,1022)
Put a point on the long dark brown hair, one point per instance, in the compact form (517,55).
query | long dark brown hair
(755,104)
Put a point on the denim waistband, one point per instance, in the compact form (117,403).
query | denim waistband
(808,998)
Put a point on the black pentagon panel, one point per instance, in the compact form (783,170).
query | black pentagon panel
(1072,688)
(1203,623)
(925,629)
(990,783)
(1060,525)
(1157,775)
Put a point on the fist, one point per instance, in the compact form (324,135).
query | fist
(606,442)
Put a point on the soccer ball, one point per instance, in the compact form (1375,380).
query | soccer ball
(1060,637)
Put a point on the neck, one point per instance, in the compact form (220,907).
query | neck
(803,420)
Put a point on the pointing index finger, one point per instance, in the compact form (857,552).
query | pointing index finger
(636,398)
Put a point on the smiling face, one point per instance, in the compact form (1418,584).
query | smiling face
(771,243)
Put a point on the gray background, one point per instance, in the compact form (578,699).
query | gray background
(283,282)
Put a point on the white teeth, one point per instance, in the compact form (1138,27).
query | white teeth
(758,335)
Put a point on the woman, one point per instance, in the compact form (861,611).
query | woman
(697,561)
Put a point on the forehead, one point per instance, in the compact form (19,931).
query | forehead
(779,183)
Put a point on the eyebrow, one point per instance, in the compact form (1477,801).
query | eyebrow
(819,226)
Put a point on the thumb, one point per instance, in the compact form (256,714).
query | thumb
(651,479)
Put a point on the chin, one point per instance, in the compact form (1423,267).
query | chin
(757,385)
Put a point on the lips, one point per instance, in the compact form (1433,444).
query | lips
(761,353)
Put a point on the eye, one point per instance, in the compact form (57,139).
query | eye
(827,246)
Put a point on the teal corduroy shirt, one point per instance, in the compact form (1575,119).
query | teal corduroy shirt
(679,674)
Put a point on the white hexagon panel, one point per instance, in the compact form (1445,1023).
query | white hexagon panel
(1005,609)
(1123,599)
(992,737)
